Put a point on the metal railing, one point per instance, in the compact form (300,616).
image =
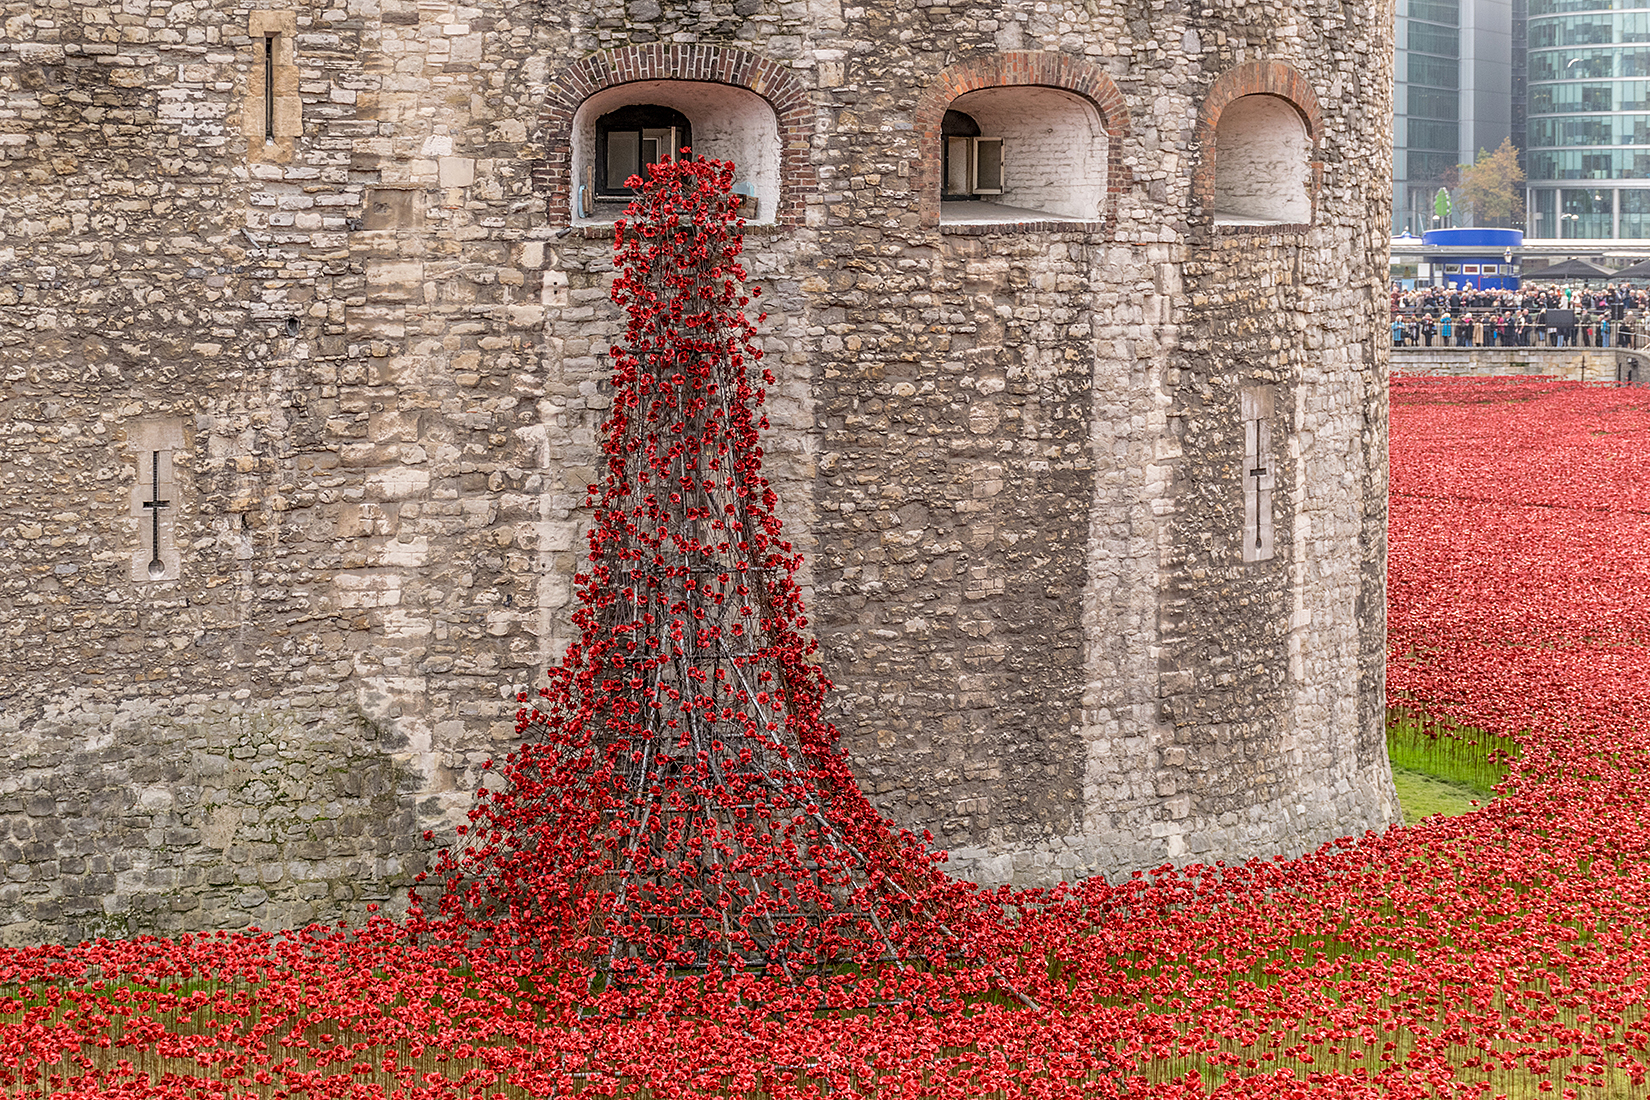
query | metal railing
(1602,334)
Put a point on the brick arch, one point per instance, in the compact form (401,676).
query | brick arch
(1272,78)
(775,83)
(1018,68)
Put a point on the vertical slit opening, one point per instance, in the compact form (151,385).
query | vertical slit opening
(157,566)
(269,88)
(1259,478)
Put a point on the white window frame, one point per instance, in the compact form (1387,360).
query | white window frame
(974,177)
(963,159)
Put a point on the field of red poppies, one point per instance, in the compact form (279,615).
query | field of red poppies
(728,933)
(1504,952)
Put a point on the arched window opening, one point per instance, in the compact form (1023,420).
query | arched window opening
(1022,153)
(632,139)
(1263,163)
(619,130)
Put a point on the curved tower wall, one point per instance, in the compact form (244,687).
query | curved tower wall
(304,345)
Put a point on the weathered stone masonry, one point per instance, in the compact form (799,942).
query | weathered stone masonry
(372,348)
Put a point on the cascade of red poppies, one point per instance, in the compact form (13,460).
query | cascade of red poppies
(679,799)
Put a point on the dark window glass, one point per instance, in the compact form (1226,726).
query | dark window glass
(1436,11)
(1436,72)
(1597,166)
(1573,97)
(1430,103)
(1425,134)
(1635,212)
(1546,212)
(1430,166)
(1588,33)
(1587,214)
(957,132)
(1553,7)
(1427,38)
(633,138)
(1584,131)
(1589,66)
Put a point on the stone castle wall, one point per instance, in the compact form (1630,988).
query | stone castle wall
(363,357)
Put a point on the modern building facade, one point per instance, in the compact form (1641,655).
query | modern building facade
(1588,153)
(1454,86)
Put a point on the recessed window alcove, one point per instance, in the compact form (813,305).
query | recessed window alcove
(618,131)
(739,106)
(1259,130)
(1263,164)
(1022,154)
(1018,142)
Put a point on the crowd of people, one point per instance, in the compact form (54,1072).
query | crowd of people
(1534,315)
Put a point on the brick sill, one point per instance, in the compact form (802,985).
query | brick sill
(603,231)
(1001,229)
(1260,230)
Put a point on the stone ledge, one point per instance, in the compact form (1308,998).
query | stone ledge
(998,229)
(1575,364)
(1259,229)
(603,231)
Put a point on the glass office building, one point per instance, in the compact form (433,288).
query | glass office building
(1454,93)
(1588,150)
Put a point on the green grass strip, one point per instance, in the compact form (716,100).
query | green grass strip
(1421,796)
(1444,749)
